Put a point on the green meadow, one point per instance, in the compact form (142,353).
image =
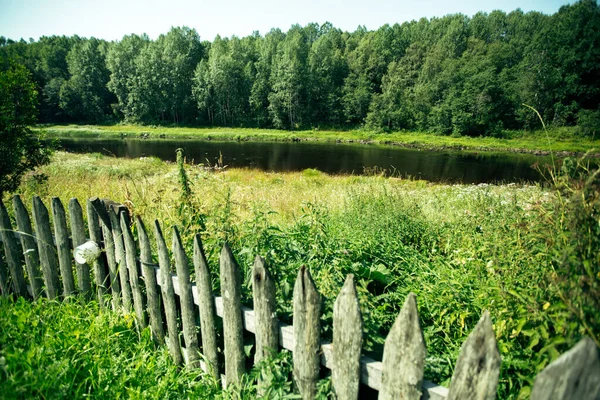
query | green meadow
(527,253)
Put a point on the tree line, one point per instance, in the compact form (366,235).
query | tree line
(452,75)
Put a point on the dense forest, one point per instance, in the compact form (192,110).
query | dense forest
(455,75)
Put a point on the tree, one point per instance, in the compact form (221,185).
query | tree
(21,149)
(328,70)
(85,96)
(120,60)
(289,77)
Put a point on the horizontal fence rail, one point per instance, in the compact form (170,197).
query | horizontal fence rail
(34,263)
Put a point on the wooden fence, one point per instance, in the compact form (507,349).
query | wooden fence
(127,275)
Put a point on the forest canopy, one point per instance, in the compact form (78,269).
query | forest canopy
(455,75)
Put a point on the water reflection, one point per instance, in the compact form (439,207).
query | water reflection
(331,158)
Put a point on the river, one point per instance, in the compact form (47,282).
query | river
(444,166)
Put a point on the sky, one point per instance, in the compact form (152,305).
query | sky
(112,19)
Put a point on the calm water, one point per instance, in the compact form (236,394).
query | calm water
(449,166)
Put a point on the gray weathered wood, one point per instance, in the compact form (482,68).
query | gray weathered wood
(132,268)
(206,306)
(233,329)
(4,285)
(307,310)
(168,293)
(46,250)
(101,210)
(30,250)
(478,365)
(63,245)
(404,355)
(347,342)
(121,259)
(574,375)
(152,291)
(265,310)
(186,299)
(79,238)
(370,369)
(99,267)
(113,266)
(12,253)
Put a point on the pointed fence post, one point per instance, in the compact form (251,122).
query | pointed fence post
(478,365)
(121,259)
(78,237)
(232,316)
(99,267)
(30,250)
(12,253)
(404,355)
(307,335)
(574,375)
(347,342)
(132,268)
(113,267)
(265,311)
(186,299)
(63,246)
(151,286)
(46,248)
(206,305)
(168,293)
(265,315)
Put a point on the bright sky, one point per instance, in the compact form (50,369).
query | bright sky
(112,19)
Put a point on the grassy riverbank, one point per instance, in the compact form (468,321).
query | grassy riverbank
(556,140)
(462,249)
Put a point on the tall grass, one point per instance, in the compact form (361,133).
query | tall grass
(56,350)
(527,254)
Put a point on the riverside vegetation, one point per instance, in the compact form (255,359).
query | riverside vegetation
(562,140)
(528,254)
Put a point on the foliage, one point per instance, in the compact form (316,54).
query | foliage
(21,149)
(454,75)
(59,350)
(588,122)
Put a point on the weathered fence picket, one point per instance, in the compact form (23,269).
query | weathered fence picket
(307,336)
(168,293)
(63,246)
(46,249)
(576,374)
(233,330)
(404,355)
(11,250)
(78,238)
(347,342)
(113,266)
(186,299)
(121,258)
(4,284)
(265,310)
(99,268)
(30,250)
(478,365)
(132,268)
(206,306)
(154,313)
